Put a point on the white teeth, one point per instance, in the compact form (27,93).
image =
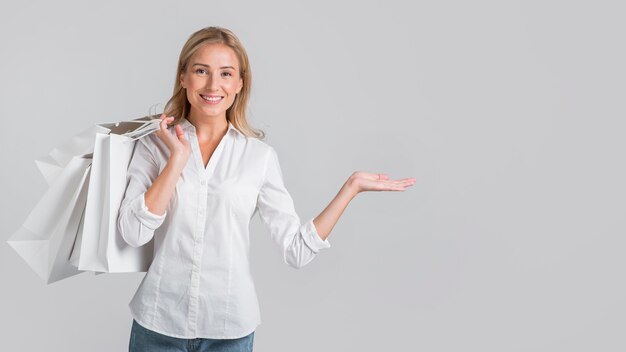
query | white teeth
(211,98)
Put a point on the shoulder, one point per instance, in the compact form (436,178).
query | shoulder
(260,153)
(257,144)
(154,146)
(151,141)
(261,149)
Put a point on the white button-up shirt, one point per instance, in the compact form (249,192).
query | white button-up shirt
(199,283)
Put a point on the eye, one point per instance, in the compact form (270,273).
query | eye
(227,73)
(200,71)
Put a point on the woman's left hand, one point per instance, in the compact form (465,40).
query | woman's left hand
(364,181)
(357,182)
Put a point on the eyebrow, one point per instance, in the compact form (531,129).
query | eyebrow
(198,64)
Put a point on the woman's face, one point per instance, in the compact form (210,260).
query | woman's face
(211,80)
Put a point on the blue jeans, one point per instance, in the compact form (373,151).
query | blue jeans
(143,339)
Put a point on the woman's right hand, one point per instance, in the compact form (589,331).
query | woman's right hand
(180,149)
(159,194)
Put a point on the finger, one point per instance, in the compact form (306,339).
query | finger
(163,125)
(164,132)
(398,185)
(166,121)
(403,185)
(398,188)
(180,134)
(404,180)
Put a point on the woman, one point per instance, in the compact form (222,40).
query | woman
(193,187)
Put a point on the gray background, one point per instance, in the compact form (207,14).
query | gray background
(508,113)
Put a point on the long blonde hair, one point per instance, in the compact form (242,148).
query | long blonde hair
(178,105)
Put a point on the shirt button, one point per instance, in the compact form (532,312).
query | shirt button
(203,182)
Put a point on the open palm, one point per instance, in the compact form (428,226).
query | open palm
(365,181)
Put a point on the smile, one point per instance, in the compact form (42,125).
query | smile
(211,100)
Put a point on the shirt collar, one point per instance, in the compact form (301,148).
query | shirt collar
(185,124)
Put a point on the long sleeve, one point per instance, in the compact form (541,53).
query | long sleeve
(299,242)
(135,222)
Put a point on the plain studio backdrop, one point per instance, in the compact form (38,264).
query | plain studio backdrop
(510,114)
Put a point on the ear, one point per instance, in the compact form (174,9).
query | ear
(240,85)
(182,80)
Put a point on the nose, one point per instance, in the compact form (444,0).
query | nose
(212,83)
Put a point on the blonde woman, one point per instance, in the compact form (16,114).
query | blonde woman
(193,186)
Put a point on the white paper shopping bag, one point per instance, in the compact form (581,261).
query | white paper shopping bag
(46,239)
(102,246)
(52,164)
(52,238)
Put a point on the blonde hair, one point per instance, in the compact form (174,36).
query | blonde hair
(178,105)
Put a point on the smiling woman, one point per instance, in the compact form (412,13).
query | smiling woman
(202,71)
(193,187)
(212,81)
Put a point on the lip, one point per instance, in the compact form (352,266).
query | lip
(211,96)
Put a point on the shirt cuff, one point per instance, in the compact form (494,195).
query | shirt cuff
(312,238)
(145,216)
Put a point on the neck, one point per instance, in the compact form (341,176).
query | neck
(209,128)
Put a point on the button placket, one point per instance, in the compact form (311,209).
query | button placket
(197,256)
(205,175)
